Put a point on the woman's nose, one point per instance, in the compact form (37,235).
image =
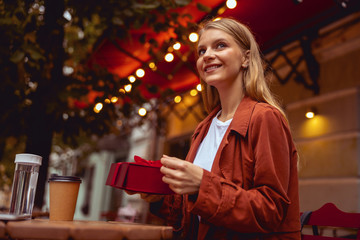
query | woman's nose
(208,55)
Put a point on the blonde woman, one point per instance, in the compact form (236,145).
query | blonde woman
(239,180)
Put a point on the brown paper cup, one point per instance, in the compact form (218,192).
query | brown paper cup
(63,196)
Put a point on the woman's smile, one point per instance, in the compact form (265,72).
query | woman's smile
(211,67)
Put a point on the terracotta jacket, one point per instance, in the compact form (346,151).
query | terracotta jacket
(252,189)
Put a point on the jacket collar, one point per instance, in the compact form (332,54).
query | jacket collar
(241,119)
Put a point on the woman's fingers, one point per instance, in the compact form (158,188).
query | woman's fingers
(171,162)
(183,177)
(173,173)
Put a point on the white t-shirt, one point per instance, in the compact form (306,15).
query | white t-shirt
(208,147)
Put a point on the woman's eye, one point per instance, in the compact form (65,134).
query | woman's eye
(201,52)
(220,45)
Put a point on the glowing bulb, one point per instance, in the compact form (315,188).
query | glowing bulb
(128,88)
(107,100)
(114,99)
(67,15)
(221,10)
(310,115)
(217,19)
(193,92)
(177,99)
(142,111)
(169,57)
(193,37)
(131,78)
(121,90)
(311,112)
(177,46)
(152,65)
(199,87)
(98,107)
(140,73)
(231,4)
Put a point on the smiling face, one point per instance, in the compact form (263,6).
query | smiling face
(221,59)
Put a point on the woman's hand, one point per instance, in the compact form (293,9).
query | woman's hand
(183,177)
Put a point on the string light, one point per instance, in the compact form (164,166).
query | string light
(114,99)
(177,46)
(140,73)
(128,87)
(107,100)
(131,78)
(142,111)
(193,92)
(221,10)
(199,87)
(152,65)
(169,57)
(193,37)
(98,107)
(217,19)
(231,4)
(177,99)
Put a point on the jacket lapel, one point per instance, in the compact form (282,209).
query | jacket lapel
(240,125)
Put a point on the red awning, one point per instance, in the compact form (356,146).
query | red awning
(273,23)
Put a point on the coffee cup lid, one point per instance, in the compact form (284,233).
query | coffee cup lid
(28,158)
(57,178)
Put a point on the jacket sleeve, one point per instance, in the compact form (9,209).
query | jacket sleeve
(263,206)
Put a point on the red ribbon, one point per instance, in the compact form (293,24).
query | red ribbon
(154,163)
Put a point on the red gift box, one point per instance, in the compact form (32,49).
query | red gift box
(139,176)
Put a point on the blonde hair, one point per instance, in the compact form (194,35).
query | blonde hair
(255,84)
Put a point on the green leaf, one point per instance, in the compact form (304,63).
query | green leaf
(117,21)
(203,8)
(17,56)
(36,55)
(182,2)
(149,6)
(33,51)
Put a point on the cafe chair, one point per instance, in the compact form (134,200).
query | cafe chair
(330,217)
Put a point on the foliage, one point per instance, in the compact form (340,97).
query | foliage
(48,86)
(28,57)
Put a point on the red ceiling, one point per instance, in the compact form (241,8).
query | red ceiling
(272,22)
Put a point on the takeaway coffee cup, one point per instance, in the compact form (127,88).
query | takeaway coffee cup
(63,196)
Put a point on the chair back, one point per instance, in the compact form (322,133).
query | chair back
(330,216)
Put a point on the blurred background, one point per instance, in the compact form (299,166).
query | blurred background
(85,85)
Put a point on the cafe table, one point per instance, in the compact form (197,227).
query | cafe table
(2,230)
(84,230)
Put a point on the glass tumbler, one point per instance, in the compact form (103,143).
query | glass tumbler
(24,183)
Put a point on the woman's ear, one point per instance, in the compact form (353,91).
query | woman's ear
(246,58)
